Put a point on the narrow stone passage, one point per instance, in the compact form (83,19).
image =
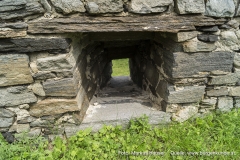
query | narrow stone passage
(118,102)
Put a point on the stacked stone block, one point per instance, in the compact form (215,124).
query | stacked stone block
(47,78)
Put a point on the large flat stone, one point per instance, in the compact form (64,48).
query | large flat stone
(186,94)
(13,96)
(190,6)
(232,78)
(62,88)
(118,114)
(220,8)
(195,45)
(10,9)
(25,45)
(68,6)
(53,107)
(148,6)
(180,36)
(104,6)
(56,63)
(180,65)
(14,69)
(221,91)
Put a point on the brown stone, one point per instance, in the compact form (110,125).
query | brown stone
(195,45)
(14,70)
(53,107)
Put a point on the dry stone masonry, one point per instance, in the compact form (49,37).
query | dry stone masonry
(56,54)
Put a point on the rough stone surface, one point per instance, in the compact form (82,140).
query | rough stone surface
(237,102)
(53,107)
(13,96)
(190,6)
(10,9)
(61,88)
(234,91)
(225,104)
(191,65)
(14,69)
(23,115)
(37,88)
(237,60)
(10,33)
(24,45)
(147,6)
(226,79)
(230,40)
(208,28)
(104,6)
(195,45)
(220,8)
(68,6)
(185,113)
(207,37)
(180,36)
(6,118)
(185,95)
(55,63)
(219,91)
(209,102)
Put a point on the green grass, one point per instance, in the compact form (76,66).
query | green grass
(120,67)
(216,133)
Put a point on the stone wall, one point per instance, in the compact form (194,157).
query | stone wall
(56,54)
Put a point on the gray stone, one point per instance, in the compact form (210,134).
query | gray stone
(180,36)
(181,65)
(232,78)
(17,25)
(208,28)
(10,5)
(104,6)
(186,94)
(6,122)
(44,75)
(10,9)
(24,45)
(190,6)
(55,63)
(118,114)
(34,132)
(220,8)
(209,102)
(61,88)
(13,96)
(14,69)
(37,88)
(229,39)
(68,6)
(217,92)
(207,37)
(53,107)
(46,5)
(148,6)
(233,23)
(23,115)
(225,104)
(185,113)
(6,113)
(41,123)
(234,91)
(236,102)
(195,45)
